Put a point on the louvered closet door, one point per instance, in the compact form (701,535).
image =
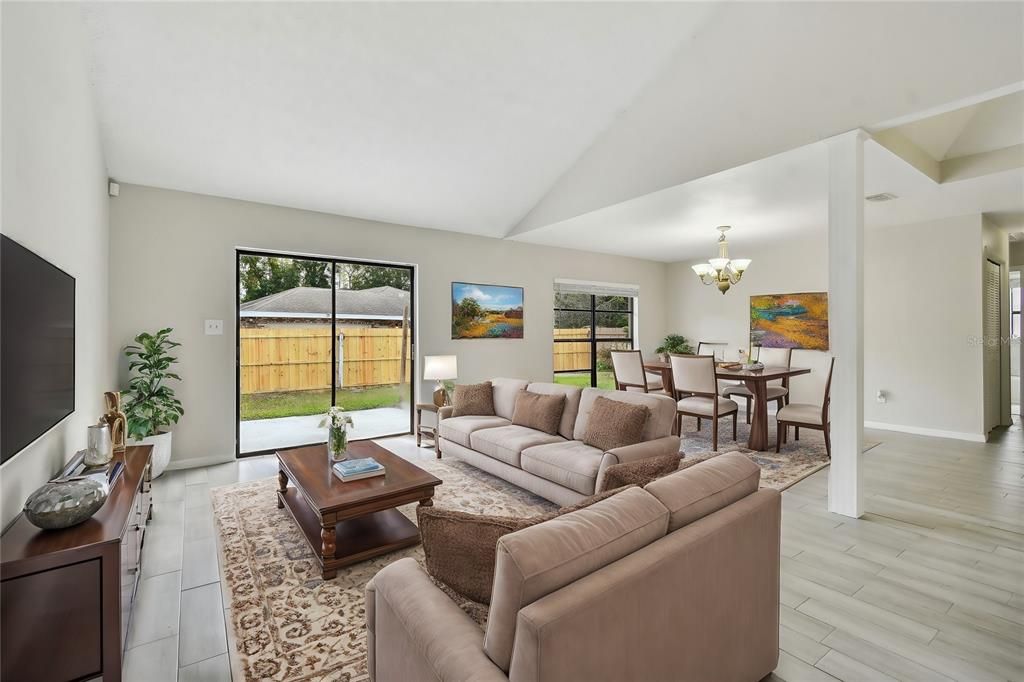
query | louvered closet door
(993,344)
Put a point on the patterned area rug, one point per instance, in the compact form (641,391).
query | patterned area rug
(286,623)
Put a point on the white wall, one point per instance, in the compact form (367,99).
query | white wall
(174,256)
(55,203)
(922,317)
(701,313)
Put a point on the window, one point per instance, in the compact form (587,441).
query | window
(587,326)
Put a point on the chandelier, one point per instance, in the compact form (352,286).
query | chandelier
(721,271)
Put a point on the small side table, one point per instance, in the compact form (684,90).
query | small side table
(430,431)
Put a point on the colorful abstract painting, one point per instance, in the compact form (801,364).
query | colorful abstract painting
(790,321)
(486,311)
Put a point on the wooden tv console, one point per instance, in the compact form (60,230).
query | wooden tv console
(66,595)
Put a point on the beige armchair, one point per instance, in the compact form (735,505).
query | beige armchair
(678,580)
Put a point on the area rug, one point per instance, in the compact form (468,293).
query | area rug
(286,623)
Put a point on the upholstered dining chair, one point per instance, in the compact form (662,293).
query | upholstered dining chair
(807,415)
(629,372)
(778,390)
(714,348)
(697,393)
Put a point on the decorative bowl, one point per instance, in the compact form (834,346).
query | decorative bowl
(65,502)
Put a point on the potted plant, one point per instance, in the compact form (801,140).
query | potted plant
(150,405)
(673,343)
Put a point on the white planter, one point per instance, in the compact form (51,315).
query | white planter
(161,450)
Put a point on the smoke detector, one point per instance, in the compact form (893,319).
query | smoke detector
(880,197)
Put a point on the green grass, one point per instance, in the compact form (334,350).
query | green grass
(605,380)
(301,403)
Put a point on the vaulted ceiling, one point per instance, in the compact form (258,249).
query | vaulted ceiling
(507,118)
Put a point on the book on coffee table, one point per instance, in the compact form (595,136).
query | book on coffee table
(357,469)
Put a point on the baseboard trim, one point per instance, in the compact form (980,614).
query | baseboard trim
(196,462)
(921,431)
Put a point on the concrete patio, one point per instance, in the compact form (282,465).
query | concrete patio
(266,434)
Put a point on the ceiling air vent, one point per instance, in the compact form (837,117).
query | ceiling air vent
(882,196)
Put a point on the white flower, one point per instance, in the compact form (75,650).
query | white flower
(336,418)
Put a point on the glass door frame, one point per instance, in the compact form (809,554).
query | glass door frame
(333,262)
(594,340)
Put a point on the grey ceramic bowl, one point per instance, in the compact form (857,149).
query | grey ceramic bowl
(61,504)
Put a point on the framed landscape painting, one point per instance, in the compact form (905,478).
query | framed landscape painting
(790,321)
(486,311)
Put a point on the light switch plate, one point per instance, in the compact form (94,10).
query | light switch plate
(214,327)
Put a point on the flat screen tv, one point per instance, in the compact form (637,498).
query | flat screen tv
(37,346)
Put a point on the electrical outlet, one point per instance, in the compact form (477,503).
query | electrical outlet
(214,327)
(881,397)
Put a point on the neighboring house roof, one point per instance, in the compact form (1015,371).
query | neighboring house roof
(379,303)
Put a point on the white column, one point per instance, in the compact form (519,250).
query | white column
(846,319)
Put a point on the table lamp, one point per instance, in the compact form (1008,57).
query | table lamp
(440,368)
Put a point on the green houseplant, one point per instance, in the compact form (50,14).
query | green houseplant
(150,405)
(673,343)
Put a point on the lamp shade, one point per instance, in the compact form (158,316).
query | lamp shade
(440,367)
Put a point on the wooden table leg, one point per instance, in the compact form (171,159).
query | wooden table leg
(327,548)
(759,424)
(427,502)
(282,486)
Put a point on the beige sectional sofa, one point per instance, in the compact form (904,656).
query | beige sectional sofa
(678,580)
(559,467)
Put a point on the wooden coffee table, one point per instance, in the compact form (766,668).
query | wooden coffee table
(345,523)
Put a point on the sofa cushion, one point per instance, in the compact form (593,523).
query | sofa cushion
(504,394)
(538,560)
(663,410)
(571,464)
(459,547)
(504,443)
(536,411)
(706,487)
(459,429)
(639,472)
(572,403)
(473,399)
(615,424)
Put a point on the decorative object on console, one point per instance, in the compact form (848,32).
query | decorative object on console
(614,424)
(673,343)
(115,418)
(337,422)
(486,311)
(151,405)
(721,271)
(473,399)
(100,448)
(62,503)
(440,368)
(790,321)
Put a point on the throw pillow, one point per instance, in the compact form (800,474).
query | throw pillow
(459,547)
(536,411)
(640,472)
(473,399)
(614,424)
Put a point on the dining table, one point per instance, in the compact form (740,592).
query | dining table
(756,381)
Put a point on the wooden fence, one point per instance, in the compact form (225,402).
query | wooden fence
(575,355)
(299,358)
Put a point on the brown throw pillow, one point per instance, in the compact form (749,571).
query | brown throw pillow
(459,547)
(473,399)
(614,424)
(541,412)
(640,472)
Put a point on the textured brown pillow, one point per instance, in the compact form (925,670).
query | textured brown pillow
(541,412)
(473,399)
(640,472)
(459,547)
(614,424)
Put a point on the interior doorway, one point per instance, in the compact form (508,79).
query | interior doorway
(313,333)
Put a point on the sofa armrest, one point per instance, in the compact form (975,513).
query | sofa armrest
(416,632)
(634,453)
(444,412)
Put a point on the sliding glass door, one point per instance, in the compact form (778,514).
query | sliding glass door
(319,332)
(587,328)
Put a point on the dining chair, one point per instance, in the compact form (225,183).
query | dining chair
(714,348)
(807,415)
(777,390)
(628,370)
(697,393)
